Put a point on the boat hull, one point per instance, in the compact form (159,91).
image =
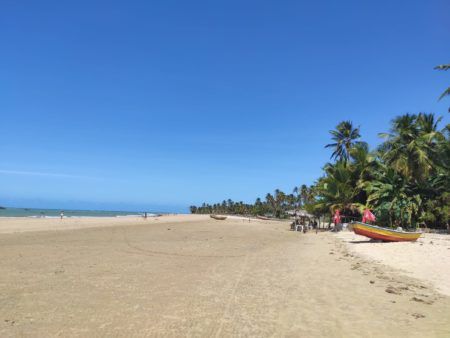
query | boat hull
(219,218)
(384,234)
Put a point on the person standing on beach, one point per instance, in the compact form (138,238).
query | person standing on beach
(62,214)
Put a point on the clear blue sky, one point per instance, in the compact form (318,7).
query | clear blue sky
(163,104)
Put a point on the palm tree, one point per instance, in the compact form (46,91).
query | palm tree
(393,197)
(297,197)
(271,202)
(337,189)
(362,167)
(290,200)
(345,137)
(304,193)
(280,199)
(409,147)
(447,91)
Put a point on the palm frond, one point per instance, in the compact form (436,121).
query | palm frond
(442,67)
(445,93)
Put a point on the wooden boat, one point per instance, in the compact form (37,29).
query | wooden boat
(384,234)
(220,218)
(263,218)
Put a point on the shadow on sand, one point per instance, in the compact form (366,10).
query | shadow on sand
(367,241)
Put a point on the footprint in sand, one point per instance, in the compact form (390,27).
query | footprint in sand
(420,300)
(382,277)
(418,315)
(356,266)
(391,289)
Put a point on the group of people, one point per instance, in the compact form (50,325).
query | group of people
(303,226)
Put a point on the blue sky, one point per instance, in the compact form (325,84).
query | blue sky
(161,104)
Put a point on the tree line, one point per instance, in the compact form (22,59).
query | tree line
(276,204)
(405,181)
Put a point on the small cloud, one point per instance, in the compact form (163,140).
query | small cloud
(37,173)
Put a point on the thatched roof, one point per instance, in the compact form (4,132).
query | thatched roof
(300,213)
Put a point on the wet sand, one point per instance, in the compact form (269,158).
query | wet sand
(194,276)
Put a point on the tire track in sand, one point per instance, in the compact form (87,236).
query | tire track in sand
(226,312)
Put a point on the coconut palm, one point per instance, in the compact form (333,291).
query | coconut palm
(363,162)
(270,200)
(362,166)
(393,198)
(337,189)
(290,201)
(345,137)
(303,194)
(447,91)
(280,200)
(295,191)
(407,147)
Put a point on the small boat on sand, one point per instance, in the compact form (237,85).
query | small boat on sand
(263,218)
(384,234)
(220,218)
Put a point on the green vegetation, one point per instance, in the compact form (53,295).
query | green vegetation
(276,205)
(405,180)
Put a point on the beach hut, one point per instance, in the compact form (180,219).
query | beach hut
(301,216)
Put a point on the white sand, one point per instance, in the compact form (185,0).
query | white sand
(190,275)
(26,224)
(428,259)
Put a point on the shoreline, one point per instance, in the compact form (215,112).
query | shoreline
(52,212)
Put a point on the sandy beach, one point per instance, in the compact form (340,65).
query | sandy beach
(194,276)
(427,259)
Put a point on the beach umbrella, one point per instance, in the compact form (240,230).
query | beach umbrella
(368,216)
(337,217)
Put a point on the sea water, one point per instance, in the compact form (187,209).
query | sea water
(50,213)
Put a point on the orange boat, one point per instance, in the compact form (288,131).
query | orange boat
(384,234)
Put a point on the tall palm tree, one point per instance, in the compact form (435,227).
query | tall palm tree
(280,199)
(345,137)
(291,201)
(270,200)
(304,194)
(295,192)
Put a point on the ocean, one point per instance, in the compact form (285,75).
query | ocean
(50,213)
